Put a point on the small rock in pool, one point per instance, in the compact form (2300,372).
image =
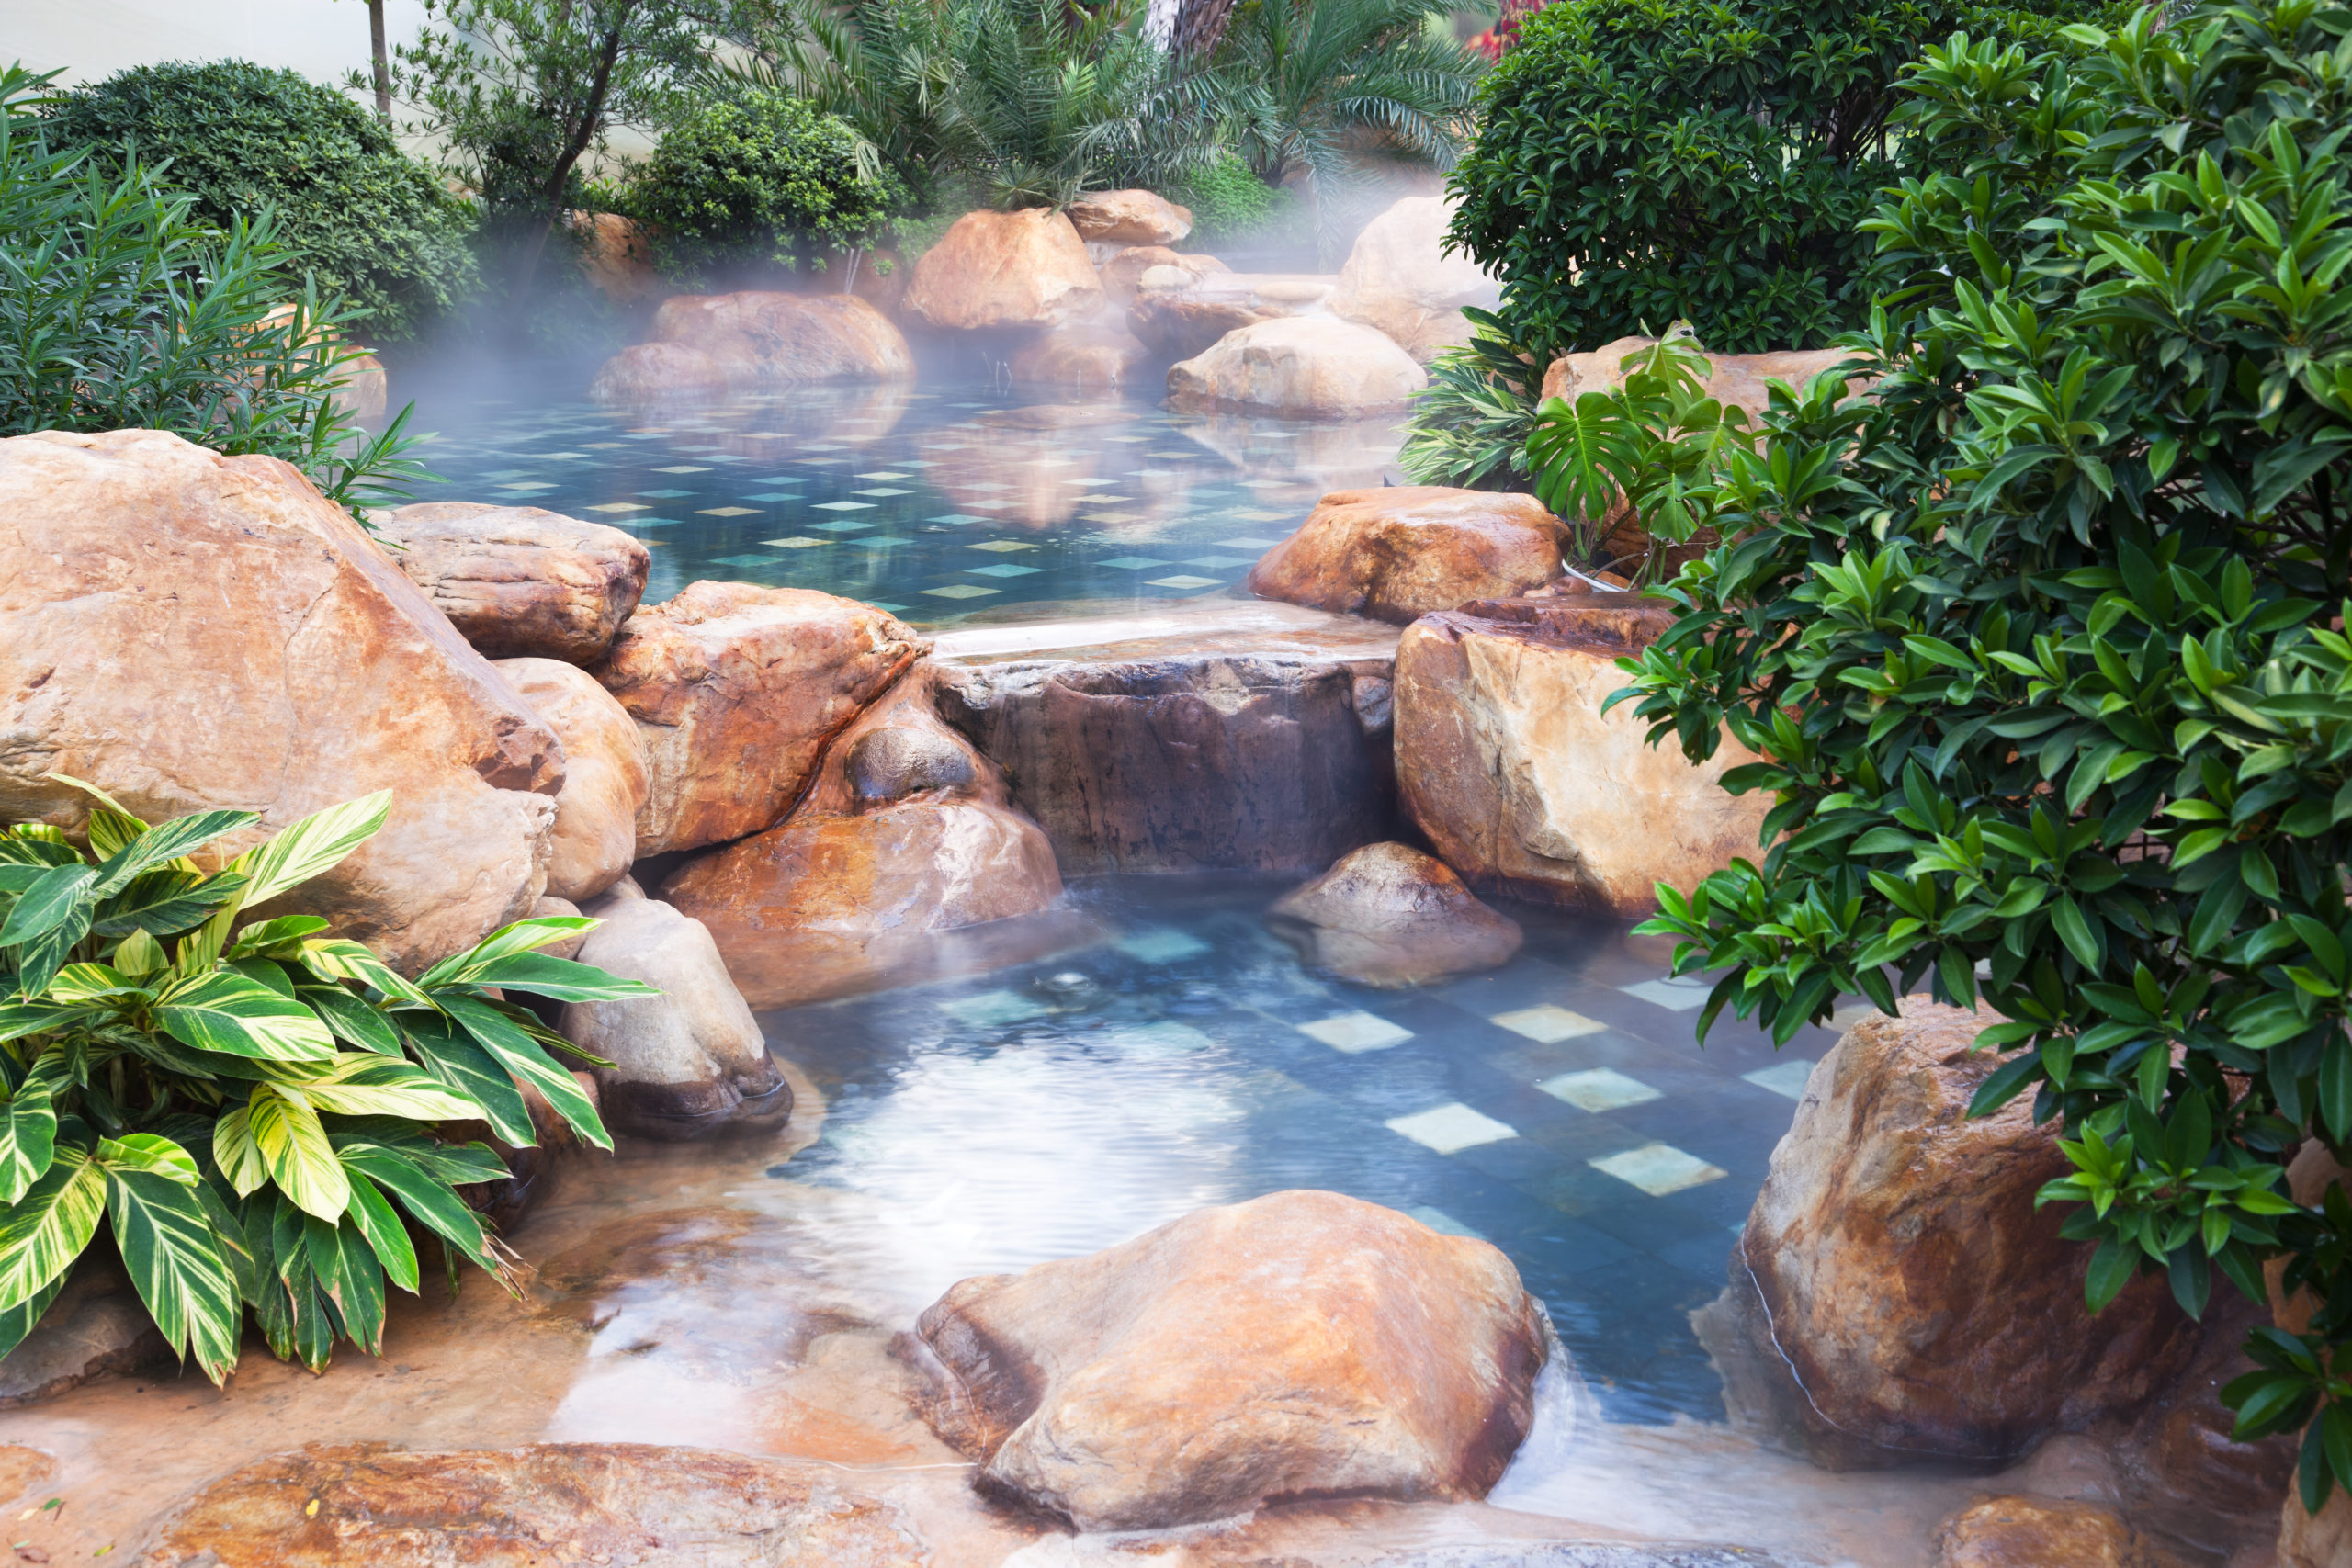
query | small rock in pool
(1390,916)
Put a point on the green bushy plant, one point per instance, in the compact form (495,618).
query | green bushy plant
(757,177)
(249,1107)
(118,309)
(1470,425)
(1640,162)
(1231,205)
(373,225)
(2041,647)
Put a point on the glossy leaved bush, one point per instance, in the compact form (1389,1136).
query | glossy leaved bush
(2042,642)
(248,1108)
(119,309)
(370,223)
(757,180)
(1642,162)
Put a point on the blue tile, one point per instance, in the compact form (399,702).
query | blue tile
(1001,570)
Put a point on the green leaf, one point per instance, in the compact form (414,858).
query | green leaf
(228,1012)
(431,1199)
(351,1019)
(369,1085)
(464,1066)
(168,842)
(316,844)
(2111,1269)
(240,1158)
(179,1265)
(51,902)
(522,1056)
(29,1130)
(372,1212)
(44,1231)
(294,1144)
(562,979)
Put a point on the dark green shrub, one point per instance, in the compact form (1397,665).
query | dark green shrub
(370,223)
(2043,644)
(1643,161)
(118,309)
(758,179)
(1231,204)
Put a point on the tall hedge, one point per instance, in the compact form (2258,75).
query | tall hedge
(1643,161)
(370,223)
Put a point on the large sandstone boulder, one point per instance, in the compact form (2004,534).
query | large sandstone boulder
(1388,915)
(1402,551)
(1182,308)
(1524,786)
(684,1062)
(190,631)
(1005,269)
(519,581)
(1400,279)
(615,1505)
(738,689)
(1098,353)
(1307,367)
(1895,1267)
(903,862)
(756,339)
(1129,217)
(1121,274)
(615,255)
(2038,1532)
(1186,761)
(1303,1343)
(606,775)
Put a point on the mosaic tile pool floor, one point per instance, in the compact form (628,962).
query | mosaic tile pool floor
(916,501)
(1558,1107)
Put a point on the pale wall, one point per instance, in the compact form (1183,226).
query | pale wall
(324,40)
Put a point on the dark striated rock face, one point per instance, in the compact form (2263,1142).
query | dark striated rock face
(1302,1344)
(1896,1297)
(617,1504)
(1185,762)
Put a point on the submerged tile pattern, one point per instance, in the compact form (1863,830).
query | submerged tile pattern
(1551,1107)
(1146,511)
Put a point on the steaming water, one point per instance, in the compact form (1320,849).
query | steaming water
(928,503)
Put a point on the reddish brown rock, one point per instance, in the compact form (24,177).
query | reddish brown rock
(1005,269)
(903,862)
(190,631)
(519,581)
(1121,273)
(615,1504)
(683,1063)
(2038,1532)
(708,342)
(604,777)
(1388,915)
(1401,551)
(1181,308)
(1098,353)
(738,689)
(1301,1344)
(1897,1262)
(1129,217)
(1524,786)
(615,255)
(1400,279)
(1309,368)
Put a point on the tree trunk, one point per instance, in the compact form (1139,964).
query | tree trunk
(1200,23)
(591,117)
(383,61)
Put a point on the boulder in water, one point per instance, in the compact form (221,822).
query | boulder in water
(1300,1343)
(606,777)
(1027,268)
(738,690)
(1129,217)
(1099,353)
(2038,1532)
(520,582)
(1121,274)
(1184,306)
(1401,551)
(1390,916)
(190,632)
(687,1061)
(703,342)
(1400,279)
(1306,367)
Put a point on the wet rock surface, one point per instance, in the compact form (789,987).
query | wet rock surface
(97,1326)
(704,344)
(1182,761)
(2038,1532)
(1027,268)
(616,1505)
(1099,351)
(1505,760)
(605,778)
(1895,1251)
(518,581)
(688,1061)
(1399,552)
(1387,915)
(189,631)
(738,689)
(1399,278)
(1310,367)
(1302,1344)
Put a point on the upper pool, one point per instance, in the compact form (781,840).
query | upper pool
(933,504)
